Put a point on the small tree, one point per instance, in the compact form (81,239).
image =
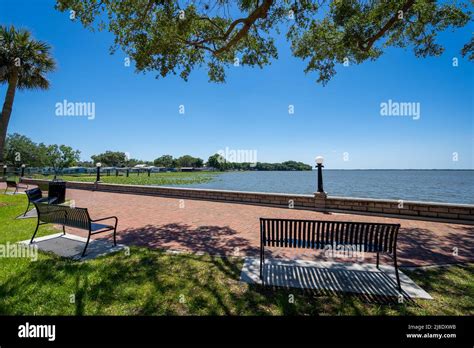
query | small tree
(60,157)
(216,161)
(20,149)
(133,162)
(198,162)
(164,161)
(111,158)
(189,161)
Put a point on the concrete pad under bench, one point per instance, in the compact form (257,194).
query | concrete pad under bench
(71,246)
(333,276)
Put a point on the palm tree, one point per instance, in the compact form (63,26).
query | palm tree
(23,65)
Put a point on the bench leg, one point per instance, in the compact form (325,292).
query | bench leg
(115,234)
(28,207)
(87,243)
(34,234)
(396,271)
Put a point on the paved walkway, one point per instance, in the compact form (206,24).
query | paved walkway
(233,229)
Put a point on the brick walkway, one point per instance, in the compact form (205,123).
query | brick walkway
(233,229)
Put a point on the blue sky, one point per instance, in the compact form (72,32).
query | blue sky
(139,114)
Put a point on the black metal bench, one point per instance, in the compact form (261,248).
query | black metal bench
(15,185)
(72,217)
(314,234)
(36,196)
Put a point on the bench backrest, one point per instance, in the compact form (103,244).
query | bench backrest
(316,234)
(34,194)
(63,215)
(49,213)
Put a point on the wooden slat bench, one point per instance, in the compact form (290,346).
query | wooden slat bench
(72,217)
(315,234)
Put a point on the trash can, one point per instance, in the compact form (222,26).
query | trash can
(57,188)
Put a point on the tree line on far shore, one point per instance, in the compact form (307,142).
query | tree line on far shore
(20,150)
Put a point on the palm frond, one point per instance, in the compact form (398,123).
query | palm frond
(29,58)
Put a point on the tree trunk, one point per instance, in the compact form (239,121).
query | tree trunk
(6,112)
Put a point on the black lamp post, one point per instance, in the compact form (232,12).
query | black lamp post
(98,165)
(23,170)
(319,165)
(4,170)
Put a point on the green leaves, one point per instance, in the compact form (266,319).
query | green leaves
(111,159)
(188,161)
(22,55)
(20,149)
(168,161)
(164,161)
(468,50)
(169,37)
(356,31)
(61,156)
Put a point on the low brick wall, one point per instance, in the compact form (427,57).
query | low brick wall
(407,208)
(276,199)
(421,210)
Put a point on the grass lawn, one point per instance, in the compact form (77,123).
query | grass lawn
(163,179)
(149,282)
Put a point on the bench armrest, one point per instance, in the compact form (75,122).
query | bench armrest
(106,218)
(52,199)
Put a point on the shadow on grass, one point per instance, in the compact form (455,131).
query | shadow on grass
(452,285)
(150,282)
(144,283)
(153,283)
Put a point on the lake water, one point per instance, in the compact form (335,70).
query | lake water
(451,186)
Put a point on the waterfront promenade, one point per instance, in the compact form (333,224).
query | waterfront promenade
(222,228)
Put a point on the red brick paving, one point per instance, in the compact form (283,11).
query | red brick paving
(233,229)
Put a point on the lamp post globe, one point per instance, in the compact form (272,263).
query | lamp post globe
(319,165)
(98,165)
